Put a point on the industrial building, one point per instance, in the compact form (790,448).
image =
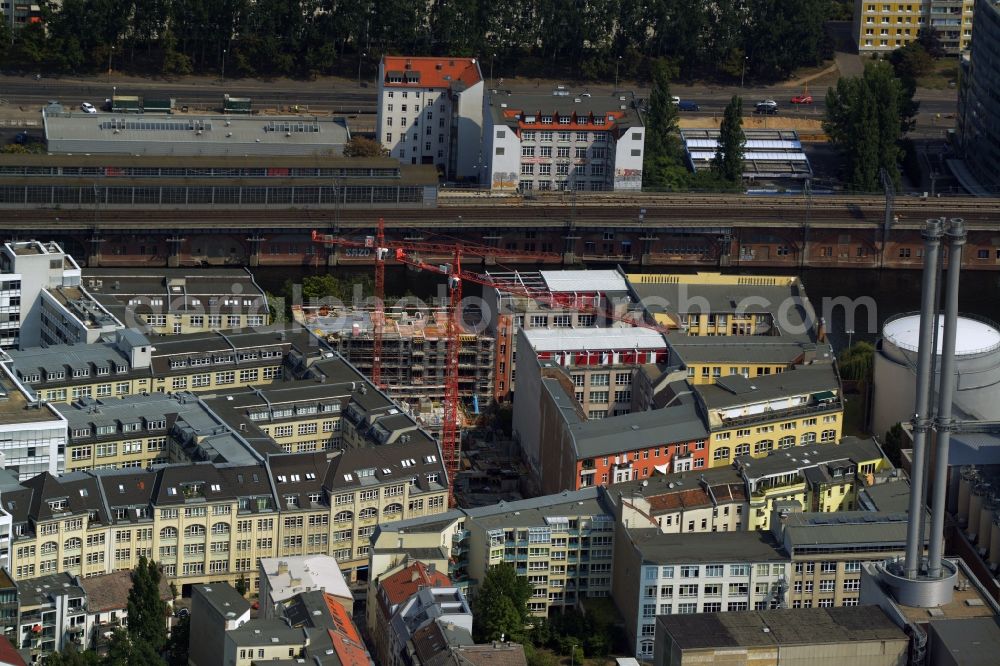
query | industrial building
(782,637)
(978,109)
(977,366)
(430,111)
(76,132)
(769,155)
(110,180)
(561,141)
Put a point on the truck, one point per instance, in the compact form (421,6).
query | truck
(235,104)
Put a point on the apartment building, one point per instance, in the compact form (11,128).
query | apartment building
(393,588)
(215,610)
(42,300)
(659,574)
(437,540)
(562,544)
(828,552)
(560,295)
(885,26)
(414,350)
(282,578)
(430,111)
(714,500)
(825,478)
(106,599)
(205,522)
(579,451)
(756,416)
(33,434)
(130,363)
(562,141)
(50,614)
(175,301)
(599,363)
(425,607)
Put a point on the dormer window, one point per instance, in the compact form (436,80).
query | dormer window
(564,120)
(598,120)
(81,372)
(546,120)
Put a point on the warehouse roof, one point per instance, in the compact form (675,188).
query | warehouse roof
(785,626)
(154,134)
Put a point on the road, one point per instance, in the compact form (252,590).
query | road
(343,96)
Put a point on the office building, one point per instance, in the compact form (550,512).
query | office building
(178,301)
(562,141)
(782,637)
(430,111)
(216,609)
(657,574)
(979,110)
(881,27)
(42,300)
(33,434)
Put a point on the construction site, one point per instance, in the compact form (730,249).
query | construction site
(414,352)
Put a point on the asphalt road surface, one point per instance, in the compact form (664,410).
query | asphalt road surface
(341,96)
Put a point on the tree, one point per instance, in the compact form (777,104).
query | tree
(931,41)
(241,586)
(865,118)
(501,605)
(147,612)
(177,645)
(70,657)
(728,161)
(911,61)
(360,146)
(855,362)
(662,142)
(895,441)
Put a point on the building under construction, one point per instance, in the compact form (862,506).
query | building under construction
(414,350)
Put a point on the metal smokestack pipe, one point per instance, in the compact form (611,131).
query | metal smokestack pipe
(921,409)
(946,392)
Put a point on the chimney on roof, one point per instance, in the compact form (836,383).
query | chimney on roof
(282,567)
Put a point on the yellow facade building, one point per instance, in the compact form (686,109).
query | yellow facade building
(886,26)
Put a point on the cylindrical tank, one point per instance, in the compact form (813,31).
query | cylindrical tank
(970,475)
(994,554)
(977,360)
(976,499)
(990,504)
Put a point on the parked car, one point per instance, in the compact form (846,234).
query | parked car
(684,105)
(802,99)
(87,107)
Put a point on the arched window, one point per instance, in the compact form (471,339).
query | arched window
(220,528)
(343,517)
(721,453)
(368,513)
(828,436)
(808,438)
(194,531)
(646,647)
(742,450)
(168,533)
(49,547)
(786,442)
(393,510)
(75,542)
(763,446)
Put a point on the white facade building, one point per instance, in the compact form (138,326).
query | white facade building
(281,578)
(562,142)
(32,433)
(430,111)
(42,300)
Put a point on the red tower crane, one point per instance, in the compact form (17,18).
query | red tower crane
(450,439)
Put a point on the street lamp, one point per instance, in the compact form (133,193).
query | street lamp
(492,58)
(111,51)
(617,63)
(361,57)
(744,72)
(224,51)
(850,337)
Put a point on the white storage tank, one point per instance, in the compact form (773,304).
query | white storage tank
(977,361)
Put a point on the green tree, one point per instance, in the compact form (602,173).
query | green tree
(70,657)
(147,612)
(931,41)
(865,118)
(911,61)
(359,146)
(855,362)
(894,443)
(177,644)
(728,161)
(242,586)
(662,141)
(501,604)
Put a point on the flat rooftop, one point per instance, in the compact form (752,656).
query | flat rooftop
(593,339)
(657,547)
(786,626)
(537,511)
(15,407)
(584,281)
